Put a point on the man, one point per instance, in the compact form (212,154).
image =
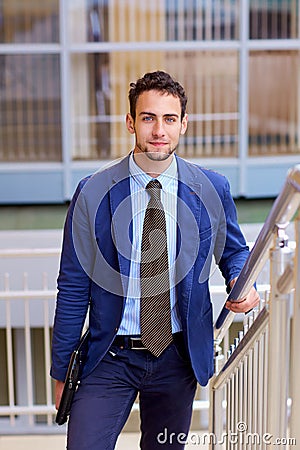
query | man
(146,287)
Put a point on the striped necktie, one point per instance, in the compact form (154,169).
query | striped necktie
(156,327)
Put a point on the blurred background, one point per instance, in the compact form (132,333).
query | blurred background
(65,73)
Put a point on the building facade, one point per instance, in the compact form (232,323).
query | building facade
(66,66)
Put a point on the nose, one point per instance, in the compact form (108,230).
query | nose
(158,128)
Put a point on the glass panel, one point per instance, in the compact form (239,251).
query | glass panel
(116,20)
(90,105)
(29,21)
(211,83)
(155,20)
(274,19)
(30,121)
(273,103)
(202,20)
(99,91)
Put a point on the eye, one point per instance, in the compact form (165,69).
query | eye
(147,118)
(170,119)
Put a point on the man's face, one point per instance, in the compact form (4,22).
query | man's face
(157,126)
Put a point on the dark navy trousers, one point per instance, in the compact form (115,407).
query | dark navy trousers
(166,387)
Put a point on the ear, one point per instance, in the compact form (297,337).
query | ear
(184,124)
(130,123)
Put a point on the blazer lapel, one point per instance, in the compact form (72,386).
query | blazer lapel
(188,222)
(121,218)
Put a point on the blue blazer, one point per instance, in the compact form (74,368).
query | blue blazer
(95,262)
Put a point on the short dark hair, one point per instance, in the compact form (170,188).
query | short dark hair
(156,81)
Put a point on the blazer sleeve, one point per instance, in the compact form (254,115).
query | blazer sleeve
(232,250)
(74,284)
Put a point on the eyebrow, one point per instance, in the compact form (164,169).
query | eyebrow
(145,113)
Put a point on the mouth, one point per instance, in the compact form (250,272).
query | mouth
(158,144)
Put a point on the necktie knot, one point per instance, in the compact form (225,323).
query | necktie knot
(154,188)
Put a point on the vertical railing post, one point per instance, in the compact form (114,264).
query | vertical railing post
(216,397)
(281,256)
(295,360)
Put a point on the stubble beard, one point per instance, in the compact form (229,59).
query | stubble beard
(155,156)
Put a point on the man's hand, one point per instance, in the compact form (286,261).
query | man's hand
(245,304)
(59,386)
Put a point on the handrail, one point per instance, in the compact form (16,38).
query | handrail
(25,252)
(282,212)
(245,344)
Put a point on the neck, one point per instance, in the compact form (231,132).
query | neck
(151,167)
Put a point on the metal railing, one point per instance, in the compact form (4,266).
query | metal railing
(26,317)
(255,395)
(27,302)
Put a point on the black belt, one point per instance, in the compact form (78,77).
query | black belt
(135,342)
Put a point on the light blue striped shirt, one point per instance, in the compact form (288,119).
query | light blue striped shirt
(130,323)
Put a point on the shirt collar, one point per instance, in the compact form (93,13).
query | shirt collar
(142,178)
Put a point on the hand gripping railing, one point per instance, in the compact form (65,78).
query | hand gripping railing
(281,214)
